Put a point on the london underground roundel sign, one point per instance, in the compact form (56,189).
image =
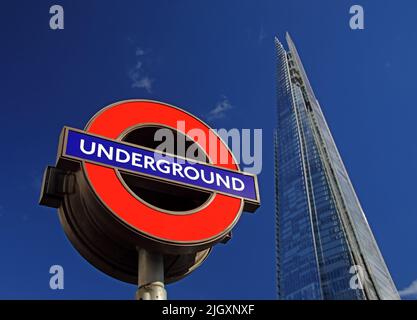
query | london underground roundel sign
(116,190)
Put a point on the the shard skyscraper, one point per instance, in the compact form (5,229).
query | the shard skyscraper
(325,247)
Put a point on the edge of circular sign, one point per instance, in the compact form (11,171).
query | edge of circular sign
(199,243)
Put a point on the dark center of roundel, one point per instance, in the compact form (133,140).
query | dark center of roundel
(160,194)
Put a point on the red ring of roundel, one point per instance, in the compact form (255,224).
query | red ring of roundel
(209,222)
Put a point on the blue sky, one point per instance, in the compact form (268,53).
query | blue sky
(197,55)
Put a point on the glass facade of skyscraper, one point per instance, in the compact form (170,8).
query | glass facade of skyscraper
(325,248)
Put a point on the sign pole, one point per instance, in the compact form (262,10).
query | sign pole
(150,276)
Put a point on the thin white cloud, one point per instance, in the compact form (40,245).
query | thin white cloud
(139,65)
(411,290)
(220,109)
(137,75)
(143,83)
(140,52)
